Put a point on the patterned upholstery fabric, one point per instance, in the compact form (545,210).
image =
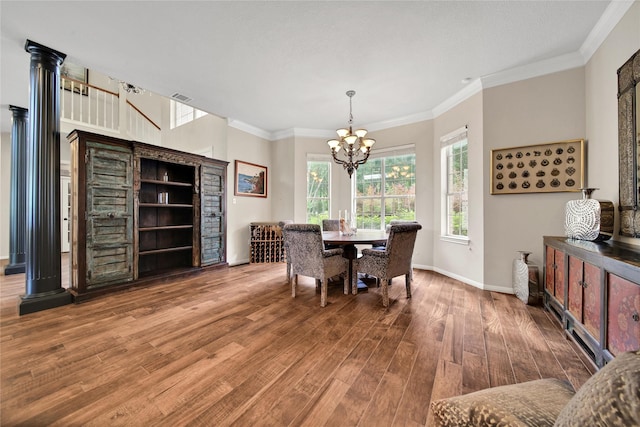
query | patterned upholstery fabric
(309,258)
(394,260)
(609,398)
(330,225)
(286,251)
(531,404)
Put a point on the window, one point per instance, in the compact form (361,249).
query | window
(385,189)
(318,190)
(182,114)
(455,185)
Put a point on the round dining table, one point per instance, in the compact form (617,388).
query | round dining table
(349,242)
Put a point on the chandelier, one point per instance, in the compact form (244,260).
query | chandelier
(355,146)
(129,88)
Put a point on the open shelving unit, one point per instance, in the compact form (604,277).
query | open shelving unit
(141,213)
(166,212)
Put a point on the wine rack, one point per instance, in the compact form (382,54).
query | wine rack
(267,243)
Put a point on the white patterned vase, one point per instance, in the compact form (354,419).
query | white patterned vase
(525,279)
(589,219)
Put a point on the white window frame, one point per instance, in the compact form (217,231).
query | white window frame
(382,154)
(181,114)
(446,142)
(323,159)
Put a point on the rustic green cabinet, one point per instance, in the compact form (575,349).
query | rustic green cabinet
(141,212)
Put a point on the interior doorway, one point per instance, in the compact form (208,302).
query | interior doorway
(65,212)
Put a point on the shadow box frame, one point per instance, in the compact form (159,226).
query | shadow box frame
(540,168)
(254,171)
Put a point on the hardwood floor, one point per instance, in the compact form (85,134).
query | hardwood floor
(231,347)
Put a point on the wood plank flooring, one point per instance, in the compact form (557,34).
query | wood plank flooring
(231,347)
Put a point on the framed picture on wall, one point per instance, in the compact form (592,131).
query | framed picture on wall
(75,78)
(250,179)
(541,168)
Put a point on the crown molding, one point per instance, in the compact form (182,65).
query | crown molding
(399,121)
(462,95)
(250,129)
(609,19)
(301,132)
(535,69)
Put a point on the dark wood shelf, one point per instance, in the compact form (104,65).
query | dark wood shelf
(165,205)
(165,227)
(166,250)
(172,183)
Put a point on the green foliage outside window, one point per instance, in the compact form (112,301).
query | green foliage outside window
(457,188)
(385,191)
(318,189)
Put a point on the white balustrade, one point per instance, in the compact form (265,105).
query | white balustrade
(91,107)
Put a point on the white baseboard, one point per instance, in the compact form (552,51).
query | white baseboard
(238,262)
(466,280)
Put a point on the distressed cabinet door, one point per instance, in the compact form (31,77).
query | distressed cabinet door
(554,283)
(584,295)
(212,219)
(109,214)
(623,324)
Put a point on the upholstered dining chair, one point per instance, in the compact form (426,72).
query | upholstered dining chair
(381,246)
(330,225)
(309,258)
(281,224)
(394,260)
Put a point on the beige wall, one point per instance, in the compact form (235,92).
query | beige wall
(282,182)
(601,83)
(242,210)
(539,110)
(464,262)
(205,134)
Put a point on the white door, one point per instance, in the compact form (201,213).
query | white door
(65,212)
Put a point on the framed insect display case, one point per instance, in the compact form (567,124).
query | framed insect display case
(542,168)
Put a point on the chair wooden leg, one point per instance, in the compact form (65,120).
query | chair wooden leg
(345,283)
(407,279)
(288,271)
(385,292)
(323,292)
(294,283)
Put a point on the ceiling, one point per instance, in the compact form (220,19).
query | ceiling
(283,65)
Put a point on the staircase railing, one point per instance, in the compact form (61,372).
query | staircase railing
(141,126)
(105,111)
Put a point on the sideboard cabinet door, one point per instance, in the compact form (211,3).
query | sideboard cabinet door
(623,325)
(554,282)
(584,302)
